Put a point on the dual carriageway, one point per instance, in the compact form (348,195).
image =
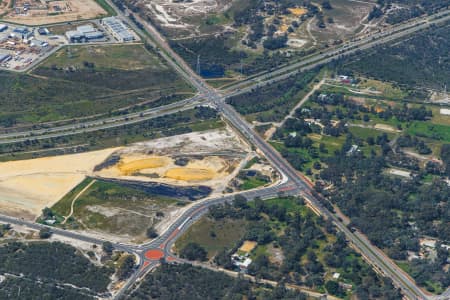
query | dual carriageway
(293,183)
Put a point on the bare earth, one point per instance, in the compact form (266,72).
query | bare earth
(27,186)
(213,158)
(71,10)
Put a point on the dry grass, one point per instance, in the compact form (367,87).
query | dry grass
(248,246)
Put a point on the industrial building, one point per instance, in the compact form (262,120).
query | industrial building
(21,30)
(84,29)
(4,57)
(38,43)
(84,33)
(118,29)
(43,31)
(74,36)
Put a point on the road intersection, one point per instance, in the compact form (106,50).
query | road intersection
(293,183)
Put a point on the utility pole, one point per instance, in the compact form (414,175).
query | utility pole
(241,68)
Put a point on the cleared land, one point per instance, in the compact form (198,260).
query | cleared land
(55,12)
(210,158)
(27,186)
(145,184)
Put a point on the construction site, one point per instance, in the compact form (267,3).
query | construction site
(127,189)
(46,12)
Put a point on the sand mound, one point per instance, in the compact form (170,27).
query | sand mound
(298,11)
(128,166)
(189,174)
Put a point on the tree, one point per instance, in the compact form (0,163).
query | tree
(126,267)
(45,233)
(151,233)
(240,201)
(47,213)
(333,288)
(107,247)
(193,251)
(326,5)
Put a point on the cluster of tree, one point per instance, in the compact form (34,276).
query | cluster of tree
(445,156)
(195,283)
(299,238)
(18,288)
(54,262)
(276,98)
(273,43)
(422,61)
(126,267)
(375,13)
(393,212)
(193,251)
(409,141)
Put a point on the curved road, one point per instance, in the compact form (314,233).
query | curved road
(295,184)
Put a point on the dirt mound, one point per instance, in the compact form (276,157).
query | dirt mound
(190,174)
(132,166)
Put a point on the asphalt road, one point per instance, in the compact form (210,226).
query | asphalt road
(373,255)
(295,183)
(244,86)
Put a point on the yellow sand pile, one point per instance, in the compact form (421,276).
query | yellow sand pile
(128,166)
(284,28)
(190,174)
(298,11)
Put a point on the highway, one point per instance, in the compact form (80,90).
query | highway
(183,69)
(101,124)
(372,254)
(346,49)
(294,183)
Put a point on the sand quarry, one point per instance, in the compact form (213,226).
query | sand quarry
(209,158)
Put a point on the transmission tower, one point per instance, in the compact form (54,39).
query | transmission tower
(197,69)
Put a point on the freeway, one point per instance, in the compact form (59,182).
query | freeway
(381,37)
(100,124)
(372,254)
(243,86)
(150,253)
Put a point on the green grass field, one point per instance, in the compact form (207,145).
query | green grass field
(212,235)
(433,131)
(62,207)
